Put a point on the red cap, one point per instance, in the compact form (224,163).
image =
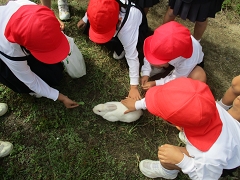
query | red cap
(169,41)
(189,104)
(37,29)
(103,19)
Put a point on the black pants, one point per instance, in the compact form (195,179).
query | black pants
(49,73)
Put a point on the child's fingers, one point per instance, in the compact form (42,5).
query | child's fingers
(127,111)
(145,88)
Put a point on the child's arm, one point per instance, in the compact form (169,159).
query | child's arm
(82,22)
(128,36)
(148,85)
(199,170)
(181,69)
(145,71)
(170,155)
(134,105)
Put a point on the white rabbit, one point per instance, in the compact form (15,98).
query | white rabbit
(114,111)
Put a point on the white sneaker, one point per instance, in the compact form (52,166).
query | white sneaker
(182,136)
(154,169)
(3,108)
(35,95)
(63,10)
(115,56)
(155,71)
(5,148)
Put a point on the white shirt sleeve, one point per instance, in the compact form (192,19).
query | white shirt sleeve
(85,18)
(207,171)
(128,36)
(23,72)
(140,104)
(146,68)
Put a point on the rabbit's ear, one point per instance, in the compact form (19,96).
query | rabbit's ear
(111,107)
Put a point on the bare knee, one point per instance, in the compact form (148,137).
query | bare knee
(198,74)
(236,85)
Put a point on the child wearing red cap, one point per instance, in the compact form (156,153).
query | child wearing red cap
(172,44)
(212,134)
(32,47)
(107,23)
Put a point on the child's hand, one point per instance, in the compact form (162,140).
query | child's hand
(144,80)
(130,104)
(81,24)
(62,26)
(70,103)
(67,102)
(134,93)
(170,154)
(148,85)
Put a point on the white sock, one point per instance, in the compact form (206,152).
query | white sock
(226,107)
(167,171)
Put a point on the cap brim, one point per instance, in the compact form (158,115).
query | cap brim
(189,50)
(55,56)
(204,141)
(147,53)
(101,38)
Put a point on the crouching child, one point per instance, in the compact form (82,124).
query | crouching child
(211,133)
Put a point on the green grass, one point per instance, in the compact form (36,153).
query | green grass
(231,5)
(52,142)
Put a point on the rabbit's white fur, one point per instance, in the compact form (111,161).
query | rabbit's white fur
(114,111)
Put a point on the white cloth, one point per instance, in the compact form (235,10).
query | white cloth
(182,66)
(20,68)
(128,36)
